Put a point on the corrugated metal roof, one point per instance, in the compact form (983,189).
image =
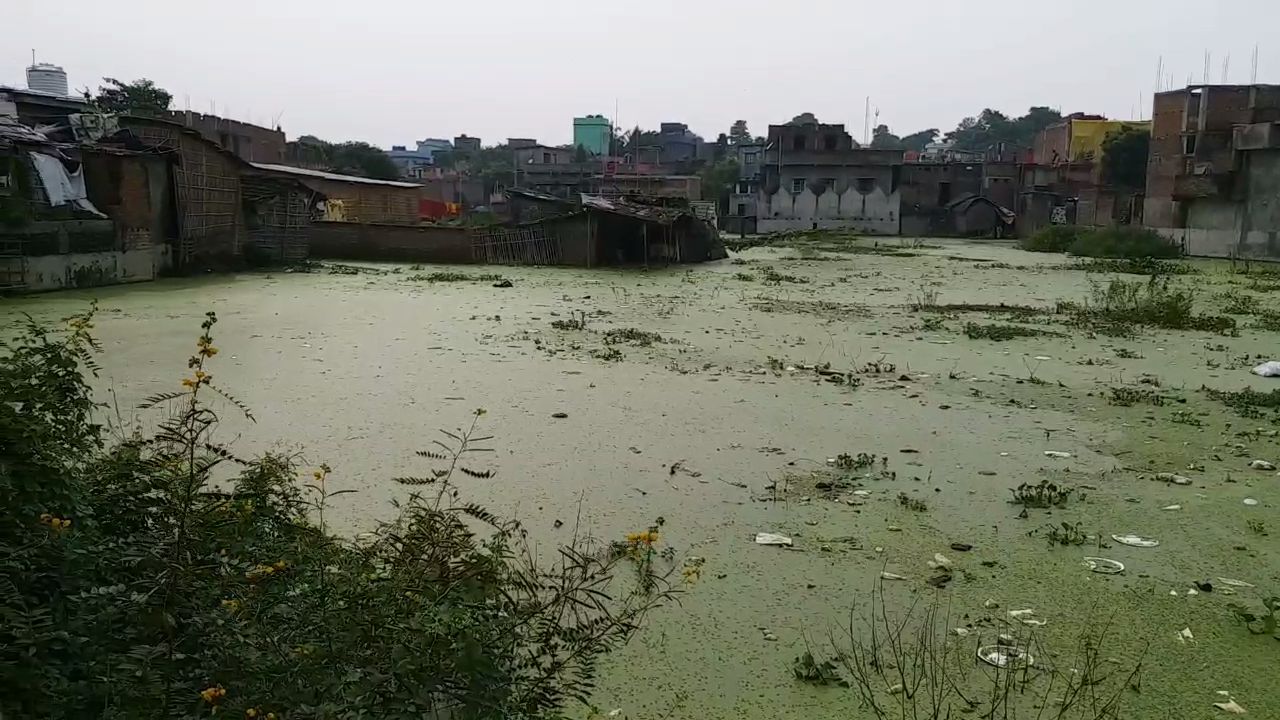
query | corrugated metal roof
(322,175)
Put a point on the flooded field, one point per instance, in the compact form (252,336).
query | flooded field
(734,398)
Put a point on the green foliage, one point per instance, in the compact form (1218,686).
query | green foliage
(917,141)
(1124,241)
(991,127)
(1053,239)
(1064,533)
(1124,158)
(912,504)
(882,139)
(133,585)
(632,336)
(807,668)
(1125,396)
(1000,332)
(140,97)
(1045,494)
(773,277)
(718,180)
(1136,266)
(1124,303)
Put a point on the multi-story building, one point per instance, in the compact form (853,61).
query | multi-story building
(740,215)
(1213,173)
(677,144)
(466,144)
(593,133)
(249,142)
(416,163)
(813,175)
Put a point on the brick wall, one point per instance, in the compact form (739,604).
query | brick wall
(371,203)
(407,243)
(253,143)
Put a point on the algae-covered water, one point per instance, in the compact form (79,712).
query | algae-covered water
(358,371)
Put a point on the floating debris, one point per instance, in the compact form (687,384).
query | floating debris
(1135,541)
(1104,566)
(961,547)
(1262,465)
(773,539)
(1250,502)
(1027,617)
(1171,507)
(1185,636)
(891,576)
(559,415)
(1229,706)
(1235,583)
(1057,454)
(1173,478)
(1005,656)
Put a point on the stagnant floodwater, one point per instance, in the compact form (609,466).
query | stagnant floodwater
(358,371)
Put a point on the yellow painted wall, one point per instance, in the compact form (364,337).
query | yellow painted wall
(1087,136)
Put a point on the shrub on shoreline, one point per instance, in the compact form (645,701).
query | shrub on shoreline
(134,585)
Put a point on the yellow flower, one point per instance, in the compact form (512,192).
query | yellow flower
(317,475)
(45,518)
(213,694)
(279,565)
(271,716)
(251,712)
(188,382)
(231,605)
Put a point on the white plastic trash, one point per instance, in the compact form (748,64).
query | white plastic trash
(772,539)
(1268,369)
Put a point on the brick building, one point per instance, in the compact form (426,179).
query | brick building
(251,143)
(1212,173)
(814,176)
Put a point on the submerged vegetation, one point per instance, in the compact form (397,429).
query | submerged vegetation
(164,576)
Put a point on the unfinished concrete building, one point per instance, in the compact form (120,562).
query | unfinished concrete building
(1213,175)
(813,175)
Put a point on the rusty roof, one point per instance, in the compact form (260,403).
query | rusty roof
(650,213)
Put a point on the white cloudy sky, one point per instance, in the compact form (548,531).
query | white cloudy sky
(392,71)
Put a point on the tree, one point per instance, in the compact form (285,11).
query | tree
(1124,158)
(738,133)
(718,180)
(348,158)
(804,119)
(882,139)
(140,97)
(917,141)
(992,127)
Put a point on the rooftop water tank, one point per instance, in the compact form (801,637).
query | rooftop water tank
(43,77)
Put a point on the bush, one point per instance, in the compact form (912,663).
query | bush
(1054,238)
(132,585)
(1124,241)
(1120,304)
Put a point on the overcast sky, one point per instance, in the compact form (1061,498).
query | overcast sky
(395,71)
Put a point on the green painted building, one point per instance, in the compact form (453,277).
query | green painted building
(592,133)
